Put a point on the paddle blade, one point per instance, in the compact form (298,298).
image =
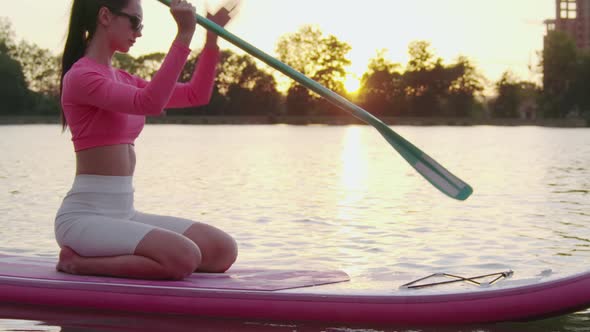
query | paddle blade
(442,179)
(432,171)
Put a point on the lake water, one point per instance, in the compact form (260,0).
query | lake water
(334,197)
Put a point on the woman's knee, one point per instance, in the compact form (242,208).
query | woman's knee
(220,250)
(227,254)
(178,255)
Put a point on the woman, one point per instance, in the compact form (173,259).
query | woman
(97,227)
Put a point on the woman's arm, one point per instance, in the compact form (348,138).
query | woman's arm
(90,86)
(198,92)
(200,88)
(97,87)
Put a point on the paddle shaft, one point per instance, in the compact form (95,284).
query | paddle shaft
(426,166)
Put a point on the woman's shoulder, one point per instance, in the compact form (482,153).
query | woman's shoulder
(87,70)
(122,73)
(85,66)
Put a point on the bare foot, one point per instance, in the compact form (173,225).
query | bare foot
(67,260)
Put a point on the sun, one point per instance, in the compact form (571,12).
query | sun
(352,84)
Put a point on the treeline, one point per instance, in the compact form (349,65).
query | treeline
(425,86)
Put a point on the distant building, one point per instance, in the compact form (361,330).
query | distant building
(573,18)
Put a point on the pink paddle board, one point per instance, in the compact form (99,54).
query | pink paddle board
(298,295)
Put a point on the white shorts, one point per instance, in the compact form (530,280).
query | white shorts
(97,218)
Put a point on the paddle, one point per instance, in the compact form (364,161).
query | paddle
(432,171)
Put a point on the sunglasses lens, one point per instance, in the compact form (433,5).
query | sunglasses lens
(135,22)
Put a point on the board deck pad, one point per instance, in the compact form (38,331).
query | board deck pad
(234,279)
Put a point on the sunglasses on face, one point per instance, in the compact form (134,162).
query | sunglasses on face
(134,20)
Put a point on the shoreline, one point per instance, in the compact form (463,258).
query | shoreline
(319,120)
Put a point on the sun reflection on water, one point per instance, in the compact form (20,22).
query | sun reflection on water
(354,172)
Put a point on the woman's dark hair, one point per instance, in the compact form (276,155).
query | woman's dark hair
(83,23)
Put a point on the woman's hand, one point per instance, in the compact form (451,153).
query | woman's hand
(221,18)
(185,16)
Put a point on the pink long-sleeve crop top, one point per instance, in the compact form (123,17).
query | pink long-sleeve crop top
(107,106)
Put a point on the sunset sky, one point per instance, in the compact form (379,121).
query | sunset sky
(498,35)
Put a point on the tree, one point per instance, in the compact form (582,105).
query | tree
(241,88)
(144,66)
(511,93)
(424,80)
(320,57)
(148,65)
(249,90)
(559,69)
(507,102)
(422,57)
(42,70)
(580,85)
(6,34)
(433,88)
(382,91)
(230,71)
(464,89)
(13,90)
(13,86)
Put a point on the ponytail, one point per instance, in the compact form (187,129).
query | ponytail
(83,23)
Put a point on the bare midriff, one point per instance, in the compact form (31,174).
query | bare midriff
(112,160)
